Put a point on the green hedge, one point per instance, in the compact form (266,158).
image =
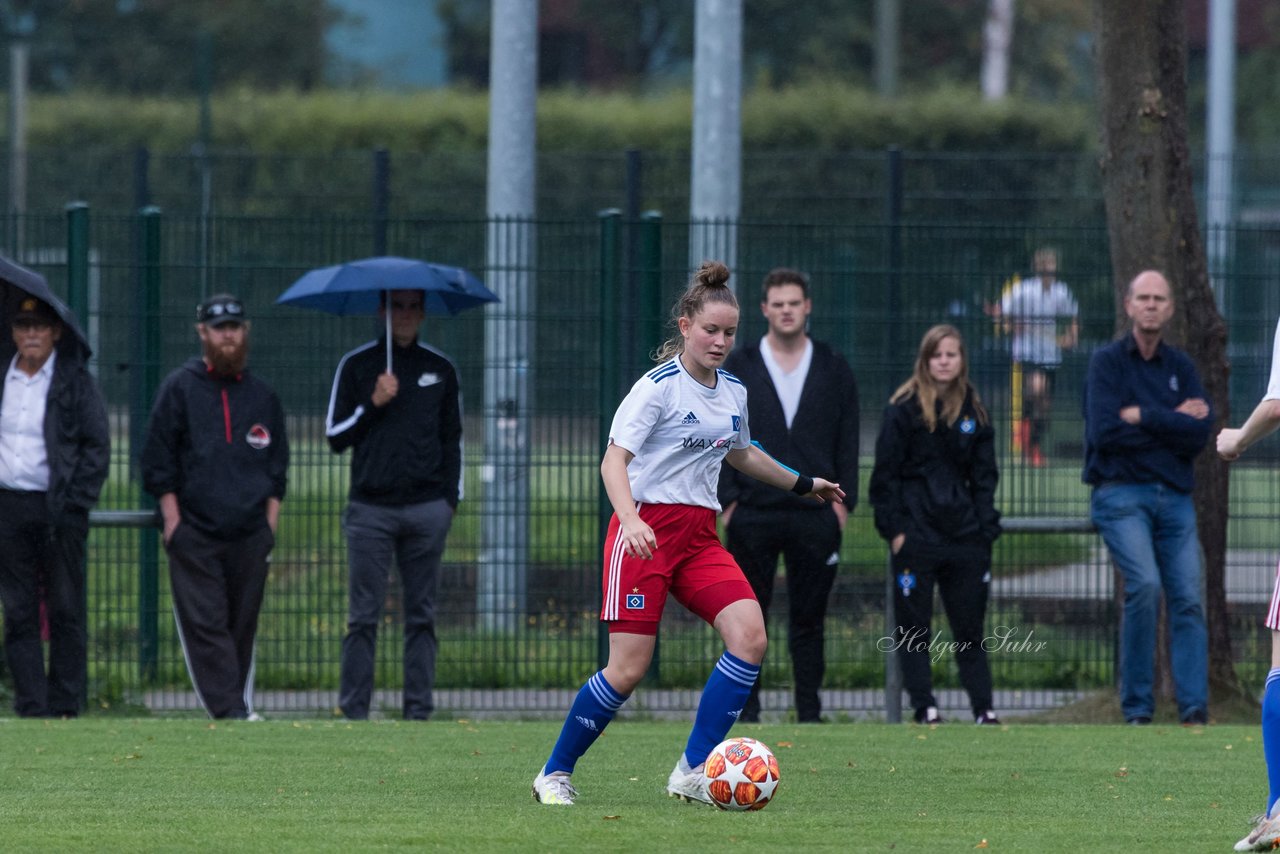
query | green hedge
(813,117)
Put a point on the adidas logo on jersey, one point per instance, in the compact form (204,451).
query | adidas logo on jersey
(690,419)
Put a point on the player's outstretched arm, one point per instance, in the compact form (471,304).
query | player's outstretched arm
(1265,419)
(754,462)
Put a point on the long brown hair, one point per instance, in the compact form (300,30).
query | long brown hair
(709,284)
(921,384)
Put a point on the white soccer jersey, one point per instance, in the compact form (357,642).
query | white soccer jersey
(1273,387)
(1035,314)
(680,431)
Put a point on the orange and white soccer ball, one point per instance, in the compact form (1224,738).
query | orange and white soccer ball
(742,774)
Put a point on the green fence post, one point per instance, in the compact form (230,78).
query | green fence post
(147,364)
(610,382)
(78,302)
(651,326)
(78,262)
(651,307)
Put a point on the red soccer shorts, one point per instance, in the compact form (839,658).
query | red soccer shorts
(689,563)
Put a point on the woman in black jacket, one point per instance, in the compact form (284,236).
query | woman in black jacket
(933,490)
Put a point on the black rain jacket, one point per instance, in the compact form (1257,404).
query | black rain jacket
(937,488)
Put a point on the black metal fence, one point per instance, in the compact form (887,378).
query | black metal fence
(600,287)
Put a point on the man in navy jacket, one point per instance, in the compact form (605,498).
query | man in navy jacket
(802,402)
(1146,419)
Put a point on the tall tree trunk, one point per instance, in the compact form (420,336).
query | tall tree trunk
(1152,224)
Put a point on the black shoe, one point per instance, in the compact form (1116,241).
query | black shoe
(987,718)
(928,715)
(1138,720)
(1196,717)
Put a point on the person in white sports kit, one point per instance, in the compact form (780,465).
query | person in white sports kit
(1232,442)
(660,471)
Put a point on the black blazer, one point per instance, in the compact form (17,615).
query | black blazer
(822,441)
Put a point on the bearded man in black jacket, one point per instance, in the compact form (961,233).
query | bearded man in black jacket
(802,402)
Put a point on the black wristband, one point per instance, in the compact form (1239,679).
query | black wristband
(804,485)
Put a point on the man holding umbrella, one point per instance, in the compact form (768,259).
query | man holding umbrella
(54,454)
(404,420)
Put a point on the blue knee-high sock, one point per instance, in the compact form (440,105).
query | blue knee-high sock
(723,697)
(1271,735)
(592,709)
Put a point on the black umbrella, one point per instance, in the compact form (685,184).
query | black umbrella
(18,282)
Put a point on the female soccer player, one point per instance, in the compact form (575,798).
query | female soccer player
(667,441)
(933,489)
(1232,442)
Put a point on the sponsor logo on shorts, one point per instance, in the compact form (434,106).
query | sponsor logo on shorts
(635,602)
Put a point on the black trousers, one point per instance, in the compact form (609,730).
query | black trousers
(962,577)
(217,588)
(34,553)
(809,542)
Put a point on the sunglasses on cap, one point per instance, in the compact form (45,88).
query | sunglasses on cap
(222,310)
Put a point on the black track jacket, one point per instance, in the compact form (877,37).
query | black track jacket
(822,441)
(410,450)
(219,444)
(937,488)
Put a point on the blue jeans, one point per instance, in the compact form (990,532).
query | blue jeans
(1150,531)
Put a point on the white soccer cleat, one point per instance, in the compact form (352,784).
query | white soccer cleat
(1265,835)
(554,789)
(688,785)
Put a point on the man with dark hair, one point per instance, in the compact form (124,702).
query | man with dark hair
(54,455)
(802,402)
(1146,420)
(404,423)
(216,458)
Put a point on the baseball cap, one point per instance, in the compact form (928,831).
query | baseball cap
(219,310)
(33,309)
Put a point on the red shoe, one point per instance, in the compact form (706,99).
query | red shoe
(1035,458)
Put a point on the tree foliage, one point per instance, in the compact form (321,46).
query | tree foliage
(152,47)
(790,42)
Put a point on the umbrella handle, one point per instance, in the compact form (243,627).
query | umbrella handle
(387,313)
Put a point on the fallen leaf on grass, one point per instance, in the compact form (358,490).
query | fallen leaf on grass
(982,844)
(612,817)
(1123,772)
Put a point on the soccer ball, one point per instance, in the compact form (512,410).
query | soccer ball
(742,774)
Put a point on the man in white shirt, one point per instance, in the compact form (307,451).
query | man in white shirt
(1043,317)
(802,403)
(54,453)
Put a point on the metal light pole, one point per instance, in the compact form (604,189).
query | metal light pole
(510,259)
(716,183)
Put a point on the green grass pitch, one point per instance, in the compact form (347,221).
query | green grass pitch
(110,784)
